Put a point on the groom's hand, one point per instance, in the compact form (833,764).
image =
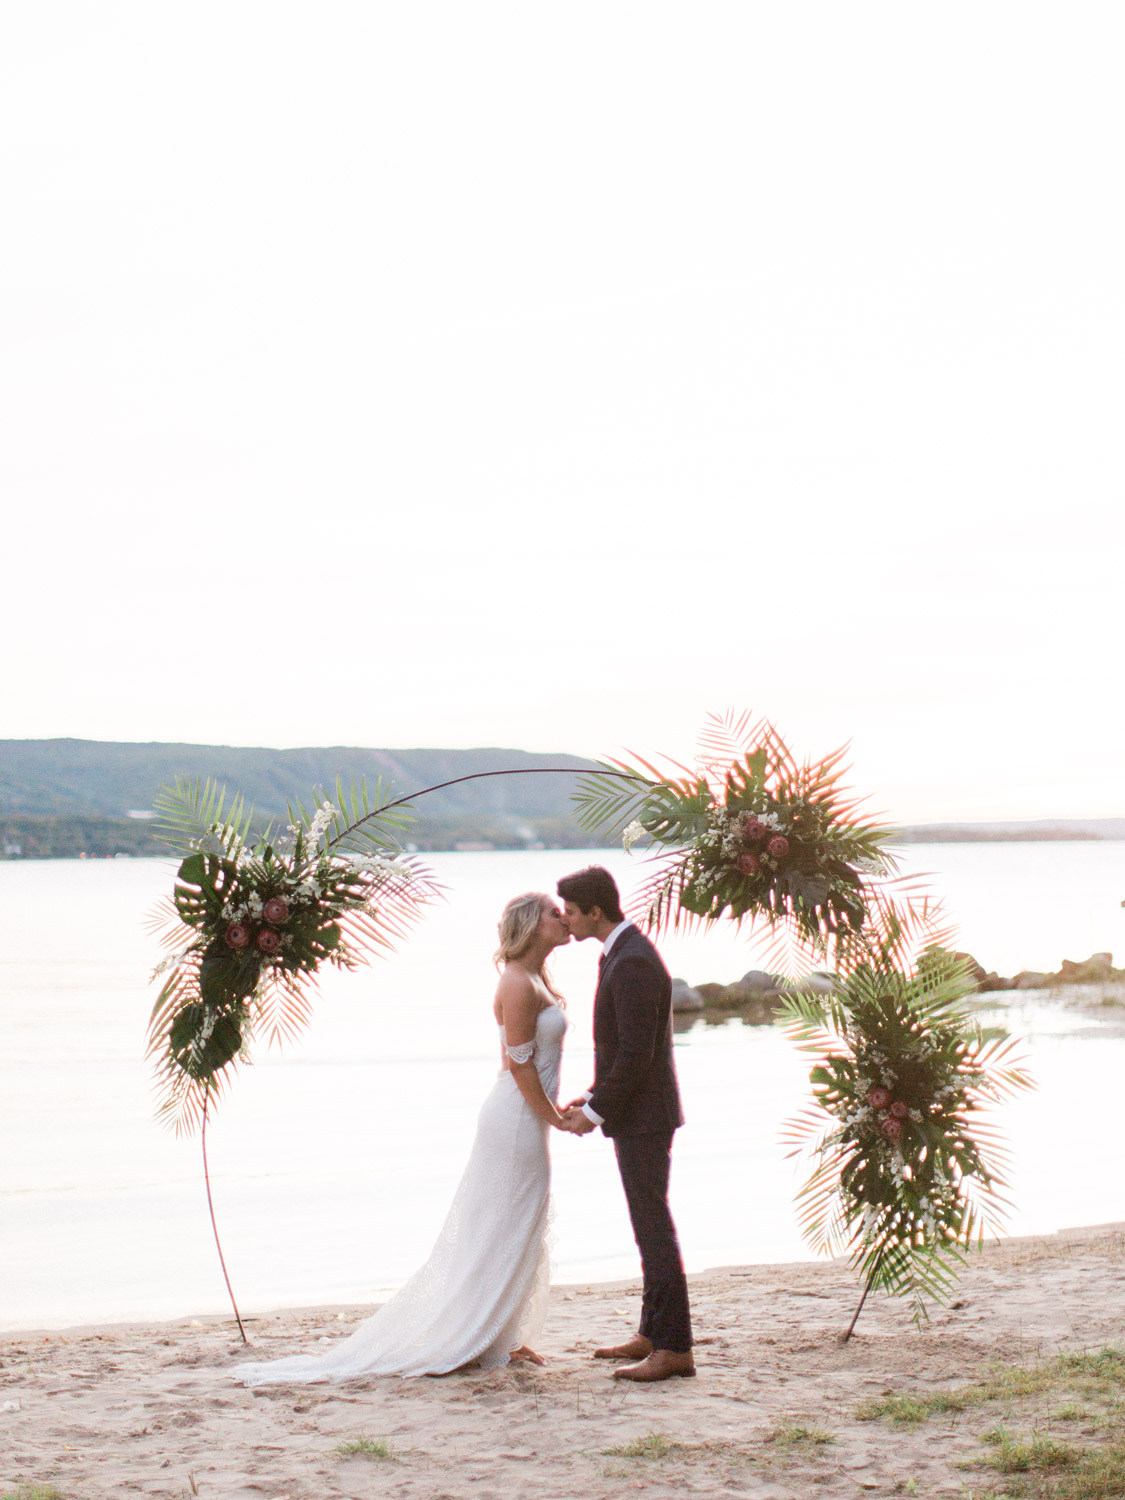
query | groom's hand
(577,1122)
(581,1100)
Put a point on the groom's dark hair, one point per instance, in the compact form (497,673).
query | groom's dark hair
(593,886)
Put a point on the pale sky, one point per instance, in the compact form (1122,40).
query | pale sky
(547,375)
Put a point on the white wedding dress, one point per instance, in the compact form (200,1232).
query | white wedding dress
(483,1291)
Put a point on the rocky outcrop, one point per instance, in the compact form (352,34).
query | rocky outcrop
(759,981)
(757,996)
(1097,969)
(685,997)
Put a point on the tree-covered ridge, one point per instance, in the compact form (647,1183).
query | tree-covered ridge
(57,777)
(66,797)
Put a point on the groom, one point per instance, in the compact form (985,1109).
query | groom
(636,1101)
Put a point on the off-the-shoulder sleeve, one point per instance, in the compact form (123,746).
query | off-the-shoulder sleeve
(521,1052)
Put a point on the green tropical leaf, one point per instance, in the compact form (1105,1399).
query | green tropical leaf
(192,816)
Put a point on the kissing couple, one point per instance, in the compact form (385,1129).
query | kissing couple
(481,1297)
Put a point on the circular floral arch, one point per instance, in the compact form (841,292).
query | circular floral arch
(904,1166)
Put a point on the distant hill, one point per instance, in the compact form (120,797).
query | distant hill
(60,797)
(1002,833)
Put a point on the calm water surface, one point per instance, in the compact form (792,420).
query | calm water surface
(333,1165)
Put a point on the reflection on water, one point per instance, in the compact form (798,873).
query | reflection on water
(334,1164)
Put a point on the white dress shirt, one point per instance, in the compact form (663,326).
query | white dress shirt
(592,1114)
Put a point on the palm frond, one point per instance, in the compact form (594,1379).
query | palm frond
(283,1008)
(193,815)
(729,737)
(607,802)
(363,819)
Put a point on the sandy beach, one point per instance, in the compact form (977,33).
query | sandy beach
(777,1409)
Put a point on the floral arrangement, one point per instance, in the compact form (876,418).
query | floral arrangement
(907,1172)
(260,916)
(752,834)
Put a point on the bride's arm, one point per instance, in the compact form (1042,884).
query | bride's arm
(519,1009)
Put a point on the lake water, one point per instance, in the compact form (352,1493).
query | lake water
(333,1164)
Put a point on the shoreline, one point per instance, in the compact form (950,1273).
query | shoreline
(564,1289)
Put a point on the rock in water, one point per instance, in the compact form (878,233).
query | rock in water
(758,979)
(820,982)
(1097,968)
(684,997)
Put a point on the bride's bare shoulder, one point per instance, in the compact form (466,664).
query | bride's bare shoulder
(515,992)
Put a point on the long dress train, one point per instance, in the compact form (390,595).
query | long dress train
(483,1291)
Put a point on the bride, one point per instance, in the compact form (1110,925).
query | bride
(482,1295)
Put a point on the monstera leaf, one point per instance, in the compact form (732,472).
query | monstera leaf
(201,1052)
(228,975)
(203,884)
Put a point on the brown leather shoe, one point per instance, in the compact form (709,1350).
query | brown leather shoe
(661,1364)
(637,1348)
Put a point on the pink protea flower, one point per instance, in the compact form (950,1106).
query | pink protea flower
(268,941)
(878,1097)
(900,1110)
(275,911)
(778,845)
(238,935)
(749,864)
(754,829)
(891,1128)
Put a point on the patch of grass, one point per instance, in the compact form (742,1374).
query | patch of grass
(652,1445)
(908,1411)
(1098,1376)
(1096,1474)
(1096,1369)
(793,1434)
(28,1489)
(1072,1411)
(1012,1455)
(660,1447)
(365,1447)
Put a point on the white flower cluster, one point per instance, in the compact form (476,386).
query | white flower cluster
(210,843)
(929,1219)
(173,961)
(378,864)
(632,833)
(319,825)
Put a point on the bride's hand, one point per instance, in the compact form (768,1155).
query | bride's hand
(581,1100)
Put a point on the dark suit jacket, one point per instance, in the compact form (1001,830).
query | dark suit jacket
(635,1089)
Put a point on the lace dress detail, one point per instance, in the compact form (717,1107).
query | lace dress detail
(483,1291)
(520,1052)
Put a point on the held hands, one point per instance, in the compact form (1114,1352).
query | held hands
(574,1121)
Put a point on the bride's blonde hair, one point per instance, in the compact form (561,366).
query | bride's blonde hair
(517,926)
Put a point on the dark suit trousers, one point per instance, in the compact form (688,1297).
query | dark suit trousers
(644,1162)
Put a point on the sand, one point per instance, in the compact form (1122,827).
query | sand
(147,1410)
